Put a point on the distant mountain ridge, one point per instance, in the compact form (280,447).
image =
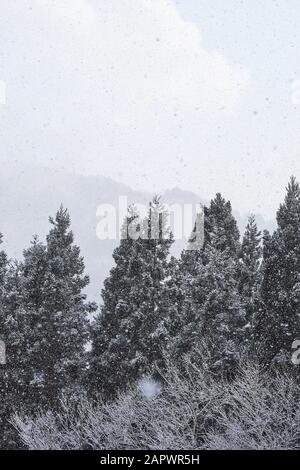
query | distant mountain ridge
(28,196)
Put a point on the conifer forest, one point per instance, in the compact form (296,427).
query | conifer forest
(195,352)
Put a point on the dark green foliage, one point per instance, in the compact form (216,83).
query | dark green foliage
(44,320)
(249,276)
(221,229)
(277,322)
(205,283)
(130,331)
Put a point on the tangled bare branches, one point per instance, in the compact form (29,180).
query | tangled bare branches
(190,411)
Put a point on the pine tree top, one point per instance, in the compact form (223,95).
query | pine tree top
(289,211)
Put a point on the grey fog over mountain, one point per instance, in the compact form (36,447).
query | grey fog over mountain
(30,194)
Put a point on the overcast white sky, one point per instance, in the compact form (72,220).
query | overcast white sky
(156,93)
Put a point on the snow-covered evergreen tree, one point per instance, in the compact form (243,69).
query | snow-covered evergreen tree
(213,313)
(44,321)
(277,324)
(63,315)
(210,310)
(52,300)
(3,338)
(12,367)
(220,224)
(249,274)
(174,301)
(3,266)
(130,331)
